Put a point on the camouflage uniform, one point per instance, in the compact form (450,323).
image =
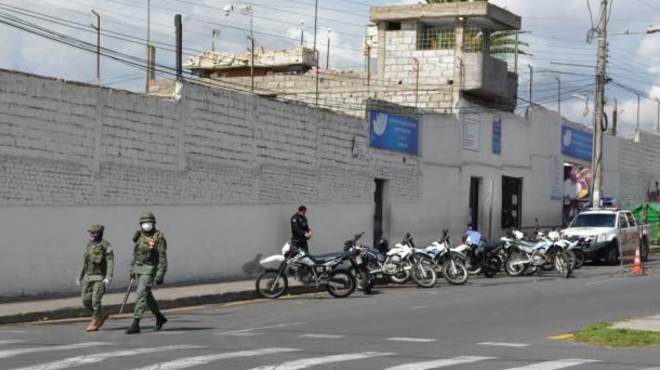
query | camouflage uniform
(95,272)
(148,268)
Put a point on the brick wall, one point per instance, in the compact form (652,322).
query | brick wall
(71,144)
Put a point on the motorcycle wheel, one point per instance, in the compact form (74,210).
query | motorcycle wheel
(511,268)
(271,284)
(424,275)
(401,277)
(473,268)
(570,256)
(455,274)
(563,265)
(491,268)
(579,258)
(341,283)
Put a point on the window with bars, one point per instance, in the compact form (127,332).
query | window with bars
(435,37)
(444,37)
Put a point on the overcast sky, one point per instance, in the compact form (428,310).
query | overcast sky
(558,35)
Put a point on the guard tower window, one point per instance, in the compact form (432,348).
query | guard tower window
(435,37)
(394,26)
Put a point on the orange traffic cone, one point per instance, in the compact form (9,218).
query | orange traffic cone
(637,267)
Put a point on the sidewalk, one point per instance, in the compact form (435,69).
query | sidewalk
(181,296)
(649,323)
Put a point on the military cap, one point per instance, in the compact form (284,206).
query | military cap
(94,229)
(147,217)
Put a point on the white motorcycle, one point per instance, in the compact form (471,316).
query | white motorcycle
(450,262)
(401,262)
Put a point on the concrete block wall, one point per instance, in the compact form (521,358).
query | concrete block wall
(436,66)
(223,171)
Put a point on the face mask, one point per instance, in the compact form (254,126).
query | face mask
(147,226)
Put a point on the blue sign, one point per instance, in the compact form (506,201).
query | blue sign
(496,141)
(576,143)
(393,132)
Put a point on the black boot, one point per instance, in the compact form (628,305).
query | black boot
(134,328)
(160,321)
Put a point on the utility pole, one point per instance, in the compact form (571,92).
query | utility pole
(416,80)
(658,124)
(327,54)
(531,84)
(251,48)
(515,54)
(148,42)
(98,46)
(637,130)
(302,33)
(368,68)
(316,52)
(179,47)
(216,33)
(599,113)
(558,95)
(615,117)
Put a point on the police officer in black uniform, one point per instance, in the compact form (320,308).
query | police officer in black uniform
(300,231)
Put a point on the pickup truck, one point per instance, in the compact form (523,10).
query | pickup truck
(608,233)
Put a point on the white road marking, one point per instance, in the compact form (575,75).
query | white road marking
(503,344)
(100,357)
(243,334)
(232,332)
(67,347)
(416,340)
(10,341)
(314,361)
(322,336)
(184,363)
(420,307)
(435,364)
(554,365)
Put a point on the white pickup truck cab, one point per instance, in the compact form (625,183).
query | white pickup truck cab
(608,233)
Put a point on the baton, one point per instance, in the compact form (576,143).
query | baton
(128,292)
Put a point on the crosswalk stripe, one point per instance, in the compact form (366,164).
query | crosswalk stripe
(554,365)
(184,363)
(100,357)
(22,351)
(309,362)
(405,339)
(322,336)
(435,364)
(503,344)
(10,341)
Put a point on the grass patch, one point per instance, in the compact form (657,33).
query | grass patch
(602,334)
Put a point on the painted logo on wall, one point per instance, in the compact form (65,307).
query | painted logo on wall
(393,132)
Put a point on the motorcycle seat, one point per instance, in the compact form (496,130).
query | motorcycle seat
(323,258)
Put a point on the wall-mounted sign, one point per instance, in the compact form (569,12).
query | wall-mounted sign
(496,142)
(393,132)
(576,143)
(471,125)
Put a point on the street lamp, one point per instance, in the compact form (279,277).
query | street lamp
(653,29)
(246,10)
(586,103)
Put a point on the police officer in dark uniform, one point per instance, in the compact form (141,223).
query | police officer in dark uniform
(300,231)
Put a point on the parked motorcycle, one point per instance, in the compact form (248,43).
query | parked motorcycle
(356,255)
(319,271)
(401,262)
(439,253)
(526,256)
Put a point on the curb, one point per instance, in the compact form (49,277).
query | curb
(79,312)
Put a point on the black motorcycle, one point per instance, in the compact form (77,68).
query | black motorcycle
(358,258)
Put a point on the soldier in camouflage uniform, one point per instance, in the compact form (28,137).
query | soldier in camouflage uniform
(148,268)
(95,274)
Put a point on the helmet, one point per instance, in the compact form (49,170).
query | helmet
(95,229)
(147,217)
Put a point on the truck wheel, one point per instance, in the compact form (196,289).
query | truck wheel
(613,254)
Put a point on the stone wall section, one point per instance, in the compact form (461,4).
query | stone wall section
(64,143)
